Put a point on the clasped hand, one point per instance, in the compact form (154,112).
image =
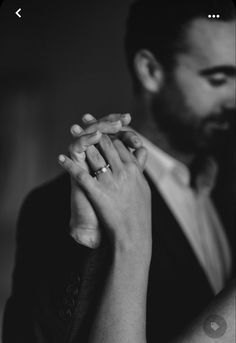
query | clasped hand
(116,202)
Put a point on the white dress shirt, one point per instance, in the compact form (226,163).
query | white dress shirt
(193,210)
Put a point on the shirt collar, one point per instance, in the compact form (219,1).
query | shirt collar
(163,165)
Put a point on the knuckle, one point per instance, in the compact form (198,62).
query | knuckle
(113,117)
(80,177)
(117,124)
(122,175)
(114,126)
(94,154)
(81,142)
(99,126)
(117,143)
(92,127)
(132,167)
(77,146)
(106,141)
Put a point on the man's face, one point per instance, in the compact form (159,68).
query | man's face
(195,105)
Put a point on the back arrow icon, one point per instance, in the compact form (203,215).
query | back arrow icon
(18,12)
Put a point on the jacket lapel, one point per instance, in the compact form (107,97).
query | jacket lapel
(93,274)
(167,231)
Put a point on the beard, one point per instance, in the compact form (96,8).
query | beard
(184,130)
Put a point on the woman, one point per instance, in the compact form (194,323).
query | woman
(122,200)
(117,199)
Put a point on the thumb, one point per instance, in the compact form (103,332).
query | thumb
(141,155)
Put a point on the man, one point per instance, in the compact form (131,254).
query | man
(183,67)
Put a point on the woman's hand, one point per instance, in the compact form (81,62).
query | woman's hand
(120,196)
(84,226)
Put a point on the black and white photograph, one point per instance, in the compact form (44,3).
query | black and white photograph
(117,171)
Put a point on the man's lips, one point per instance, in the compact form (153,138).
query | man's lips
(219,125)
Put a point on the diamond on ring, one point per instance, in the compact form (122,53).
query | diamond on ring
(102,170)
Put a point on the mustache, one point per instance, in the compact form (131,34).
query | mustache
(227,116)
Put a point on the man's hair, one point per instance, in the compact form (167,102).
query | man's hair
(159,26)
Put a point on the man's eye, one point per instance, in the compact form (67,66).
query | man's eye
(217,80)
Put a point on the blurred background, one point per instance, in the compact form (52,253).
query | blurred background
(61,59)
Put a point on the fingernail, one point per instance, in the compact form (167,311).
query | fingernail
(76,129)
(61,158)
(126,116)
(88,117)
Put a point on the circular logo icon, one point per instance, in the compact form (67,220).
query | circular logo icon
(214,326)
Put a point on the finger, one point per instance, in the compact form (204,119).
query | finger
(141,155)
(84,141)
(106,127)
(124,118)
(76,171)
(110,153)
(96,162)
(130,139)
(80,158)
(124,154)
(87,183)
(88,119)
(76,130)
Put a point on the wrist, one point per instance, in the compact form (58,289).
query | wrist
(132,251)
(132,266)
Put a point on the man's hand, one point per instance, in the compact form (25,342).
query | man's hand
(84,225)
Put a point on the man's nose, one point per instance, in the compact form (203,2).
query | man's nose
(230,100)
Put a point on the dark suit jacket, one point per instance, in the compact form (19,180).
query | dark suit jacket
(57,283)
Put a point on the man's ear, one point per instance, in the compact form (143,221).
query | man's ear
(148,71)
